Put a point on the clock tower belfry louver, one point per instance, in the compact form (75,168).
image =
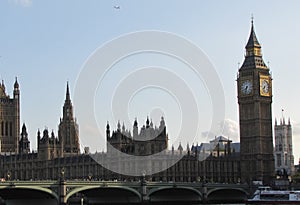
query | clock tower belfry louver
(254,85)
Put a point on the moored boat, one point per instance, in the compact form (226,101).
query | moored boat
(264,195)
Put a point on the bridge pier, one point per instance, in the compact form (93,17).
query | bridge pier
(62,189)
(204,193)
(62,192)
(145,198)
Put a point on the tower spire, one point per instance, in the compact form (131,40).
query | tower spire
(68,93)
(252,41)
(68,107)
(253,57)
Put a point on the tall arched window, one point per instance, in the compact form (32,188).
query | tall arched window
(10,128)
(6,128)
(2,128)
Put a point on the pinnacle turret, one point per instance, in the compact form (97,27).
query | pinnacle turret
(16,85)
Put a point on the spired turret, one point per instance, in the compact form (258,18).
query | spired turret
(2,90)
(135,130)
(68,129)
(107,130)
(24,143)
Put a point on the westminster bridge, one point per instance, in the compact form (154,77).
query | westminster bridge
(116,192)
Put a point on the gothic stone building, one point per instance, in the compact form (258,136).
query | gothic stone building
(192,167)
(9,119)
(284,158)
(255,161)
(67,142)
(63,153)
(149,141)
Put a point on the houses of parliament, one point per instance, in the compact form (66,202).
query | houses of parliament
(220,160)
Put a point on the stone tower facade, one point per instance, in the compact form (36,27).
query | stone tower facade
(10,119)
(284,158)
(67,142)
(254,85)
(68,131)
(49,147)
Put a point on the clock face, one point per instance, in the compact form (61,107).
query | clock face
(246,87)
(265,86)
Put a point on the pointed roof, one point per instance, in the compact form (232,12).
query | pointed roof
(135,124)
(252,41)
(16,85)
(2,90)
(253,57)
(23,127)
(180,147)
(68,93)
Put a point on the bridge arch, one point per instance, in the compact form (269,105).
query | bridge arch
(172,193)
(8,191)
(227,195)
(121,189)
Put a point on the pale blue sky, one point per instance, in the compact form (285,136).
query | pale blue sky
(46,43)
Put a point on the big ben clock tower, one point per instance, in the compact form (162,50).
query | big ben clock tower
(254,85)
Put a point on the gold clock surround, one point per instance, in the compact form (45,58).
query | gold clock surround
(265,85)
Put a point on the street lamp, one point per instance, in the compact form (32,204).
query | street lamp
(90,176)
(143,186)
(62,174)
(8,175)
(143,176)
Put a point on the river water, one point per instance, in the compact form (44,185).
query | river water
(53,202)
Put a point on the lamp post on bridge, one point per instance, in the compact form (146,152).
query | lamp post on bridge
(62,174)
(90,175)
(8,175)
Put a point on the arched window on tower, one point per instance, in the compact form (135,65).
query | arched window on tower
(2,128)
(6,128)
(10,128)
